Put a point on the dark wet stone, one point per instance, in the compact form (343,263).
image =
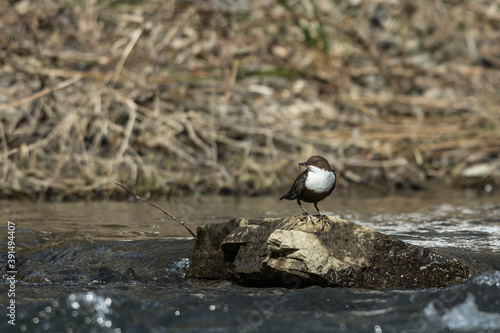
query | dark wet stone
(262,252)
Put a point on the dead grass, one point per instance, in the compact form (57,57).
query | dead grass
(175,96)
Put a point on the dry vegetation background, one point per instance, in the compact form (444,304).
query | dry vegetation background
(174,96)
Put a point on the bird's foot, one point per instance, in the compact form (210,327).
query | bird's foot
(323,219)
(292,225)
(298,219)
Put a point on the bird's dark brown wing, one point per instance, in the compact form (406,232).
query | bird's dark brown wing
(297,187)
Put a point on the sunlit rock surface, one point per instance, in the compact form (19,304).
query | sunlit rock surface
(263,252)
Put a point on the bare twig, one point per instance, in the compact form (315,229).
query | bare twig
(156,206)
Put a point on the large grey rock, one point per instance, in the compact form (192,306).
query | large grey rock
(263,252)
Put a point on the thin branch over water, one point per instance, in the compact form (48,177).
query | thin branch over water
(156,206)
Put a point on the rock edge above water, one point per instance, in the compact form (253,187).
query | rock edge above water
(261,252)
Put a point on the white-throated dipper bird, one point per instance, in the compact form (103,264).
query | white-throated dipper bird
(313,184)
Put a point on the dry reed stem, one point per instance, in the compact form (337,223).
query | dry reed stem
(60,85)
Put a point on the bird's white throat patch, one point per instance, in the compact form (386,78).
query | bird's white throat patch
(319,180)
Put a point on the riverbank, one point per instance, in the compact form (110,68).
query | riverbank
(174,98)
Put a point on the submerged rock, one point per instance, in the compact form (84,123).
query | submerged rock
(263,252)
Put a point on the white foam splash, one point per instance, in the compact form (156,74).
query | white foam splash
(464,317)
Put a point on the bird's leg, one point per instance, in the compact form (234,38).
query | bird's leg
(321,216)
(305,213)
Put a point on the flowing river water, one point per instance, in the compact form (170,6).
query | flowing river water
(106,266)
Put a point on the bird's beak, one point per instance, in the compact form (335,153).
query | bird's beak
(303,163)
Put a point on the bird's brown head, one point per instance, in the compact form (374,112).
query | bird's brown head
(317,161)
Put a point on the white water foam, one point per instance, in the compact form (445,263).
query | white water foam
(464,317)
